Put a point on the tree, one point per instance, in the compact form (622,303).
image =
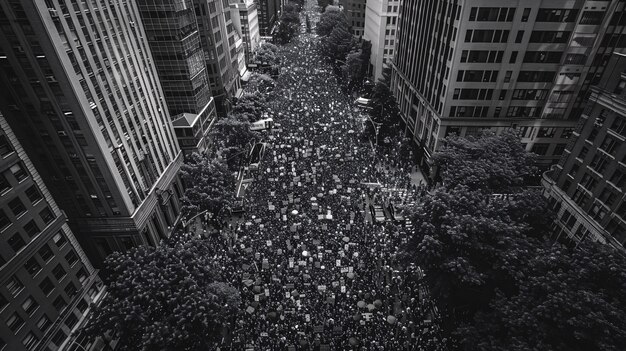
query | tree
(324,3)
(209,186)
(328,21)
(567,300)
(289,24)
(494,163)
(252,105)
(339,43)
(169,297)
(357,63)
(267,57)
(384,109)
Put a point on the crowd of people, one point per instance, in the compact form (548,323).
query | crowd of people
(314,270)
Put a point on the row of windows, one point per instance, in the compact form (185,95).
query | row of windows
(486,36)
(477,76)
(472,94)
(492,14)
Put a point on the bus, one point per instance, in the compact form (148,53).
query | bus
(256,155)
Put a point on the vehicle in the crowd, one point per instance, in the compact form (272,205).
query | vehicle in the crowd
(394,213)
(263,124)
(238,207)
(256,155)
(363,103)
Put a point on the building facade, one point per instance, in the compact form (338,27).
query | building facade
(246,21)
(174,39)
(381,23)
(464,66)
(218,38)
(47,280)
(587,186)
(355,13)
(83,96)
(268,15)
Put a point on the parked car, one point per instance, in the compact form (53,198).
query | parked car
(378,214)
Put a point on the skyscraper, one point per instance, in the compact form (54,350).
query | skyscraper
(219,42)
(587,186)
(174,39)
(247,25)
(355,13)
(47,281)
(83,96)
(463,67)
(268,15)
(381,20)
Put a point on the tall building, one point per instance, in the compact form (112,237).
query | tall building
(355,13)
(460,67)
(381,21)
(47,281)
(246,21)
(587,186)
(82,94)
(218,38)
(174,40)
(268,15)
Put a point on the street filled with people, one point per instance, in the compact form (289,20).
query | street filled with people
(315,268)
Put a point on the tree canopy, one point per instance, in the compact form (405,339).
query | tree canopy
(252,105)
(166,298)
(498,280)
(495,163)
(209,185)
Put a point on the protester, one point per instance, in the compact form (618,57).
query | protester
(313,269)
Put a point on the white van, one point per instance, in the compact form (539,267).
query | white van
(263,124)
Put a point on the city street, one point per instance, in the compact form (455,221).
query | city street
(314,272)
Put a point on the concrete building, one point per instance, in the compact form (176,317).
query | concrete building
(47,280)
(460,67)
(381,23)
(218,38)
(172,33)
(82,94)
(246,21)
(268,15)
(587,186)
(355,13)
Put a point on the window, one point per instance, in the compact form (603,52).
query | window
(546,132)
(559,149)
(15,322)
(82,275)
(71,258)
(618,178)
(32,266)
(580,197)
(33,194)
(60,304)
(59,239)
(17,207)
(30,341)
(44,323)
(507,76)
(71,320)
(556,37)
(70,289)
(82,305)
(536,76)
(45,253)
(5,146)
(46,215)
(18,172)
(3,302)
(597,212)
(609,144)
(4,220)
(16,242)
(620,87)
(30,305)
(556,15)
(588,182)
(519,37)
(31,228)
(542,57)
(591,17)
(607,196)
(525,15)
(540,149)
(513,58)
(60,336)
(583,152)
(46,286)
(4,183)
(59,272)
(567,133)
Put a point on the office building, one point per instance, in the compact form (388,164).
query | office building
(47,280)
(355,13)
(587,186)
(82,94)
(246,21)
(527,65)
(381,22)
(174,40)
(218,38)
(268,15)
